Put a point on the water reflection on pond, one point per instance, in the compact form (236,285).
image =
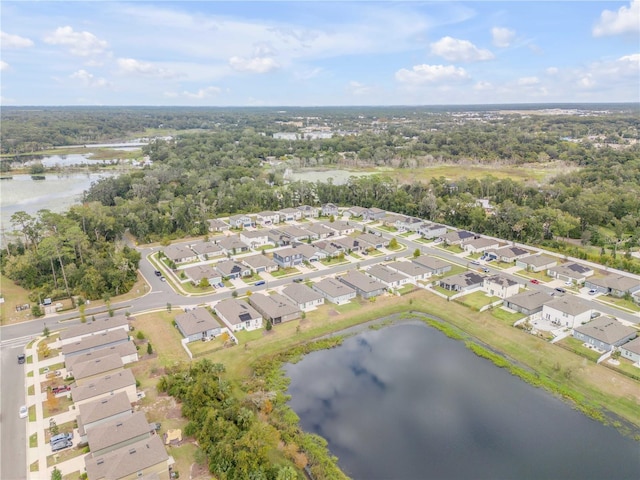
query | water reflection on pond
(406,402)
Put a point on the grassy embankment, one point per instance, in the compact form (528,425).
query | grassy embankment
(594,389)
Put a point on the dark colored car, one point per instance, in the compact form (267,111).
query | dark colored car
(298,280)
(158,273)
(61,389)
(560,290)
(535,281)
(21,358)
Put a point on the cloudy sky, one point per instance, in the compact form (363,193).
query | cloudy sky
(212,53)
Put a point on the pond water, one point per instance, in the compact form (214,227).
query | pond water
(339,177)
(57,192)
(406,402)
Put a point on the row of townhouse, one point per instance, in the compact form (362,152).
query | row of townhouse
(122,443)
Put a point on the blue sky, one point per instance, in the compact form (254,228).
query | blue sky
(265,53)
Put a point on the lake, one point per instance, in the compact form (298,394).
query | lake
(407,402)
(56,193)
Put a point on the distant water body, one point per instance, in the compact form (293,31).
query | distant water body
(57,192)
(407,403)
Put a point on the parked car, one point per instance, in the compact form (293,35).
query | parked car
(23,412)
(298,280)
(61,445)
(61,389)
(54,374)
(61,437)
(475,263)
(569,283)
(158,273)
(21,358)
(162,279)
(259,282)
(560,290)
(593,291)
(486,270)
(535,281)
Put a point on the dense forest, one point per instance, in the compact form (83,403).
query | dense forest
(225,161)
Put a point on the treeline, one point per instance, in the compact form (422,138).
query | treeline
(244,435)
(73,254)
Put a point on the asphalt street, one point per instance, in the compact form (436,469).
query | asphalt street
(13,338)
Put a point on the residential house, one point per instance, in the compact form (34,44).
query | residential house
(369,240)
(238,315)
(486,206)
(126,351)
(233,270)
(217,225)
(500,286)
(364,285)
(206,250)
(457,237)
(275,307)
(463,282)
(330,248)
(288,257)
(297,234)
(390,219)
(259,263)
(179,253)
(144,459)
(241,221)
(329,209)
(278,238)
(480,244)
(267,218)
(334,291)
(118,433)
(568,311)
(89,370)
(350,244)
(373,214)
(385,275)
(122,381)
(76,333)
(319,230)
(290,214)
(354,212)
(571,272)
(255,238)
(341,227)
(631,351)
(528,302)
(435,265)
(99,412)
(198,324)
(508,254)
(304,297)
(310,253)
(199,272)
(432,230)
(615,284)
(95,342)
(232,245)
(604,333)
(536,263)
(408,224)
(309,211)
(412,270)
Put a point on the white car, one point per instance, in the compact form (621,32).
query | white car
(24,412)
(568,284)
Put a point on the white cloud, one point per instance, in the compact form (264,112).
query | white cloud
(502,37)
(307,74)
(203,93)
(482,86)
(253,65)
(421,74)
(357,88)
(82,44)
(132,66)
(527,81)
(88,79)
(455,50)
(625,20)
(3,66)
(552,71)
(14,41)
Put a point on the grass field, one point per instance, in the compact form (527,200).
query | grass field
(13,295)
(476,300)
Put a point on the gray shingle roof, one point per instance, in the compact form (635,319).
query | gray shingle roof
(606,329)
(196,321)
(104,408)
(301,294)
(236,311)
(127,460)
(102,385)
(116,431)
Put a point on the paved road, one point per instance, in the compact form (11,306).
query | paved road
(13,434)
(15,337)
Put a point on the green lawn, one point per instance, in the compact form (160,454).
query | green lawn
(252,279)
(33,440)
(444,291)
(621,303)
(454,249)
(476,300)
(507,317)
(332,262)
(541,276)
(285,272)
(388,229)
(408,288)
(576,345)
(245,336)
